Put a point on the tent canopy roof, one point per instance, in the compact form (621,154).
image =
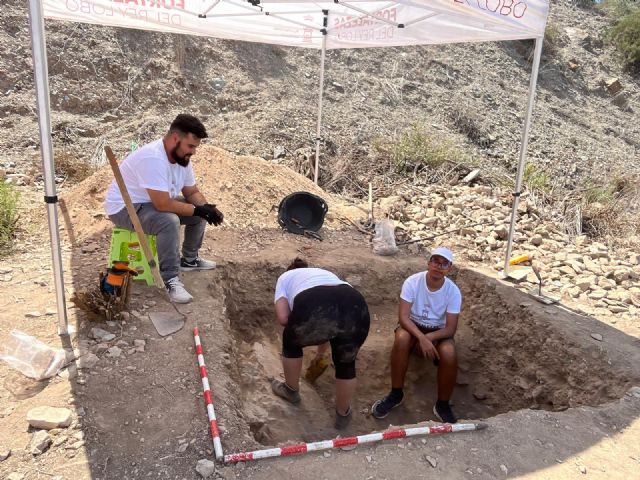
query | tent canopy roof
(304,23)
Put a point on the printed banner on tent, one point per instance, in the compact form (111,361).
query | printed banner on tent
(302,23)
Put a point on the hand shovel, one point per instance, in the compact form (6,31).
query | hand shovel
(165,323)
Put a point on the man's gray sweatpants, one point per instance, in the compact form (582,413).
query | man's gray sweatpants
(166,226)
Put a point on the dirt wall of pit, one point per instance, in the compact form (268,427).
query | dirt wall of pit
(514,353)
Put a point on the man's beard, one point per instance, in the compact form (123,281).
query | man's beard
(182,161)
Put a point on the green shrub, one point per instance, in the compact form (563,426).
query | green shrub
(536,179)
(417,149)
(552,39)
(620,8)
(625,35)
(8,216)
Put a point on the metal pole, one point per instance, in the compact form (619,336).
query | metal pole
(319,126)
(523,151)
(41,81)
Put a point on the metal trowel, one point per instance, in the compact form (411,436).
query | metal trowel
(536,292)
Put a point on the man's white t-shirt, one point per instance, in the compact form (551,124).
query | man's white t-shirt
(428,308)
(148,167)
(294,281)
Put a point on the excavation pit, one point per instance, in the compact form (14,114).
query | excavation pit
(513,353)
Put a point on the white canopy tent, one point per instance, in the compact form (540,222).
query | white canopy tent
(299,23)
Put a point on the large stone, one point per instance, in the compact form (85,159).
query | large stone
(40,442)
(205,468)
(584,283)
(101,335)
(4,453)
(49,417)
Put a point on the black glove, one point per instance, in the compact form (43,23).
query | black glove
(210,213)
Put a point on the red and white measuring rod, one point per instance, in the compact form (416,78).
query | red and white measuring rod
(208,397)
(343,442)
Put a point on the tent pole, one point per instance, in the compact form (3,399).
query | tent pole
(319,126)
(41,81)
(523,150)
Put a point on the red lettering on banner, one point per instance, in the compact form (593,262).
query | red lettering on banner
(168,4)
(348,21)
(506,8)
(497,3)
(523,8)
(88,7)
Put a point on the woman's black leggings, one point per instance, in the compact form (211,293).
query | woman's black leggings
(336,314)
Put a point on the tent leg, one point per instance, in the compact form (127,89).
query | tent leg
(523,151)
(319,125)
(39,50)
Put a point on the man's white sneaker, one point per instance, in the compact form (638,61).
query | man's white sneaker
(177,292)
(197,264)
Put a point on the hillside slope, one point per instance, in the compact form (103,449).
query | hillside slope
(118,86)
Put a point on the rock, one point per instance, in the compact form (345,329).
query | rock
(34,314)
(583,470)
(613,85)
(536,240)
(431,461)
(584,283)
(15,476)
(279,152)
(479,393)
(114,352)
(45,417)
(101,335)
(596,336)
(4,453)
(326,455)
(40,442)
(87,361)
(471,176)
(504,469)
(205,468)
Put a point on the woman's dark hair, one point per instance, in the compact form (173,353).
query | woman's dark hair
(185,123)
(298,263)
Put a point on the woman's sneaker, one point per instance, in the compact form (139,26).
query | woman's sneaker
(177,292)
(283,390)
(381,408)
(197,264)
(443,411)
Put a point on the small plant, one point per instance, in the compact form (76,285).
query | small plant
(625,35)
(8,216)
(553,39)
(470,124)
(535,179)
(417,149)
(620,8)
(70,166)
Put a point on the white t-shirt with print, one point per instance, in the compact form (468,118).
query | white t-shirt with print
(428,308)
(294,281)
(148,167)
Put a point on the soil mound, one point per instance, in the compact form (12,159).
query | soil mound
(247,189)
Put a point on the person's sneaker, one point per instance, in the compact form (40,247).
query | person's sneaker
(342,421)
(283,390)
(177,292)
(381,408)
(197,264)
(443,411)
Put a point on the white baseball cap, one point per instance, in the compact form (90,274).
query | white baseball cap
(442,252)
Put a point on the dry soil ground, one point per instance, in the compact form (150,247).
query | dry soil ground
(558,402)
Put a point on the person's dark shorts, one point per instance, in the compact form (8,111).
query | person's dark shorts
(336,314)
(427,330)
